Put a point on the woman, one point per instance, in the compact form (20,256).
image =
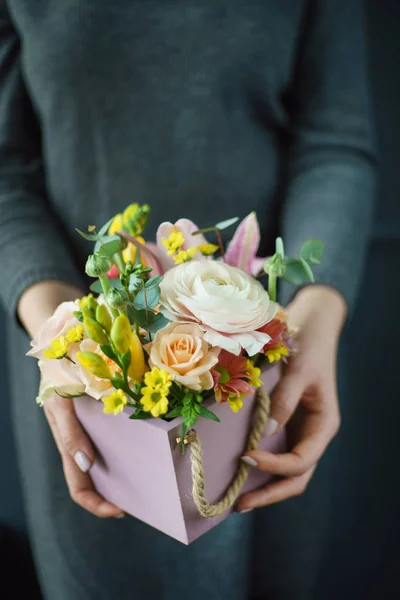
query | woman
(201,108)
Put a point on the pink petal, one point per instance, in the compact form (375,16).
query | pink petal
(113,273)
(257,265)
(242,249)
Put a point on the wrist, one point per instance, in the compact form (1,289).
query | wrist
(319,302)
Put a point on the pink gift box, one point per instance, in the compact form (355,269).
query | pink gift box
(140,466)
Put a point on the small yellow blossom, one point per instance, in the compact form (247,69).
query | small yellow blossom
(114,403)
(207,249)
(58,348)
(275,354)
(74,334)
(235,402)
(185,255)
(254,374)
(155,394)
(173,242)
(116,225)
(84,301)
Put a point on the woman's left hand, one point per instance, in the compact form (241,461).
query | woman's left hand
(305,399)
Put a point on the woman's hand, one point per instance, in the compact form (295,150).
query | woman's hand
(305,398)
(36,305)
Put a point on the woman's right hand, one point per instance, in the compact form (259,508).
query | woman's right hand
(76,450)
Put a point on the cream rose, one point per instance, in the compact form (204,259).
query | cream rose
(228,304)
(58,324)
(180,349)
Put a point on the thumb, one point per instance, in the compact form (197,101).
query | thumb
(284,400)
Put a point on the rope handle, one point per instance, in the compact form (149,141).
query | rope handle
(262,409)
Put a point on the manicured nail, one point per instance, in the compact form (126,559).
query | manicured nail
(121,516)
(271,427)
(249,461)
(82,461)
(245,510)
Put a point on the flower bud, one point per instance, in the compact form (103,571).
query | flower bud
(138,366)
(87,313)
(94,363)
(95,332)
(92,304)
(98,265)
(121,334)
(103,317)
(115,298)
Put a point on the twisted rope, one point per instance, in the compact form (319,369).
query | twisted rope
(262,408)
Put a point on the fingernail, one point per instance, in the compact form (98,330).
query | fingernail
(249,461)
(121,516)
(245,510)
(271,427)
(82,461)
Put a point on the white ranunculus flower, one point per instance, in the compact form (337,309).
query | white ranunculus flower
(229,305)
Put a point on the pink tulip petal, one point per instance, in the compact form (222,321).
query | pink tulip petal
(242,249)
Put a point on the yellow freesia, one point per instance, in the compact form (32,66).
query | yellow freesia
(235,402)
(94,363)
(121,334)
(207,249)
(116,225)
(74,334)
(94,331)
(58,348)
(275,354)
(254,374)
(173,242)
(138,366)
(185,255)
(84,301)
(130,213)
(103,317)
(114,403)
(129,254)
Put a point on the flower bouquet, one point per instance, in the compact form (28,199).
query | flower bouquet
(175,339)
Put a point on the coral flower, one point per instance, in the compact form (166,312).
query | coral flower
(231,377)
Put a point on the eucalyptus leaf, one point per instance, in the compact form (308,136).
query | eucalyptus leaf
(153,282)
(307,270)
(227,223)
(96,287)
(158,323)
(110,248)
(295,272)
(106,226)
(88,236)
(312,251)
(147,300)
(135,282)
(207,414)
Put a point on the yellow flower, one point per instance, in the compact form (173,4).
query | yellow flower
(275,354)
(94,331)
(138,366)
(254,374)
(84,301)
(208,249)
(235,402)
(155,394)
(103,317)
(129,254)
(185,255)
(94,363)
(74,334)
(173,242)
(130,213)
(121,333)
(58,348)
(116,225)
(114,403)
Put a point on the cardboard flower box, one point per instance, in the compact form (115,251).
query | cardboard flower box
(140,466)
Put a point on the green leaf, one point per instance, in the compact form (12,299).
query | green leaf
(279,248)
(108,351)
(135,282)
(106,226)
(78,315)
(110,248)
(174,413)
(227,223)
(312,251)
(153,282)
(183,433)
(294,272)
(207,414)
(118,383)
(126,361)
(140,414)
(96,287)
(148,299)
(307,269)
(88,236)
(189,412)
(158,323)
(70,396)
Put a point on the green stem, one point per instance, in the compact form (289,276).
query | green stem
(272,279)
(147,310)
(220,242)
(120,262)
(106,285)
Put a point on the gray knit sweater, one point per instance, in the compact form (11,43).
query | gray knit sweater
(201,108)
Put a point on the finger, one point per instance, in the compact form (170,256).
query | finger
(73,436)
(317,433)
(275,492)
(285,398)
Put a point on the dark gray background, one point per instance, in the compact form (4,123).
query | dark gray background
(363,555)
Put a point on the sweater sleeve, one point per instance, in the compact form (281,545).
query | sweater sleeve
(32,247)
(331,171)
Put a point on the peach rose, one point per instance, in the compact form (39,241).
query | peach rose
(181,350)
